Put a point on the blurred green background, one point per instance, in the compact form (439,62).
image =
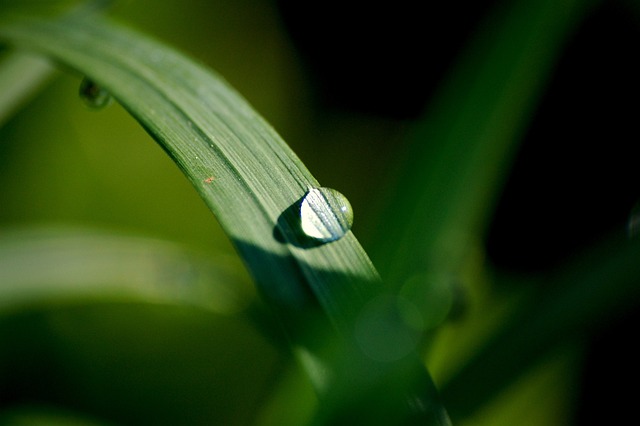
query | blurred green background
(342,84)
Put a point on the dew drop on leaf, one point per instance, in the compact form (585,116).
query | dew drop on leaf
(94,95)
(325,214)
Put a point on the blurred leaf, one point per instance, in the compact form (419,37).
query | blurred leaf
(543,396)
(43,6)
(137,363)
(37,416)
(21,75)
(600,284)
(291,402)
(48,266)
(463,146)
(459,158)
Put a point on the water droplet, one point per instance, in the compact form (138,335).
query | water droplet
(93,94)
(325,214)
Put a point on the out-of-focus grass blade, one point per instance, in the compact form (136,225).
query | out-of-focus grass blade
(462,148)
(41,267)
(21,76)
(136,362)
(602,283)
(32,416)
(247,176)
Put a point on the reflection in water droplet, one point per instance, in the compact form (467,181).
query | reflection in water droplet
(325,214)
(93,94)
(633,225)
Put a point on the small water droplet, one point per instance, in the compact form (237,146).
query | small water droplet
(325,214)
(93,94)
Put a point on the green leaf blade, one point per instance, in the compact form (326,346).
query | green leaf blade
(242,169)
(253,183)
